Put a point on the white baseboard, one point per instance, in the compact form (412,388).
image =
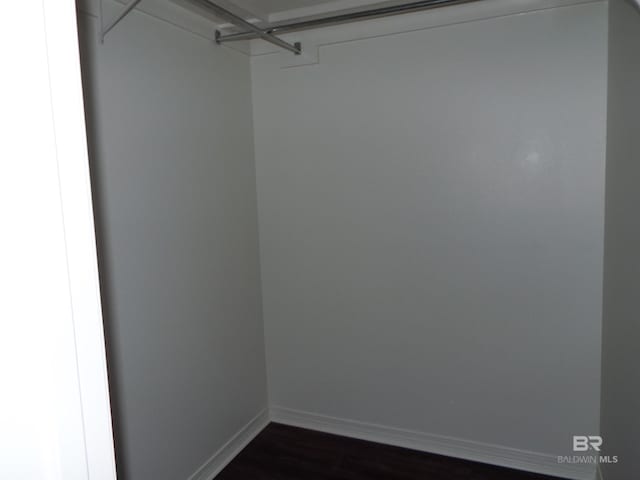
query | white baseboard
(214,465)
(453,447)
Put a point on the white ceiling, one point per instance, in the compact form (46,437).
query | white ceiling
(275,10)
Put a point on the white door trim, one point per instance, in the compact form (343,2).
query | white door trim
(77,209)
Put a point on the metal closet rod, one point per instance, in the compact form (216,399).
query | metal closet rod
(282,28)
(241,22)
(216,10)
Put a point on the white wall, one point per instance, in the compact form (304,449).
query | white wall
(621,326)
(431,228)
(174,177)
(55,421)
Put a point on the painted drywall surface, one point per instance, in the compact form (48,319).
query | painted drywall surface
(620,421)
(431,228)
(174,179)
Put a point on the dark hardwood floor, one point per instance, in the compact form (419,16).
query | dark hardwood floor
(281,452)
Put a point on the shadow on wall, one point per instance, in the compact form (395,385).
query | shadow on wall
(88,78)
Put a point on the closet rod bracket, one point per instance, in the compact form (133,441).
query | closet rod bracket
(123,13)
(238,21)
(219,41)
